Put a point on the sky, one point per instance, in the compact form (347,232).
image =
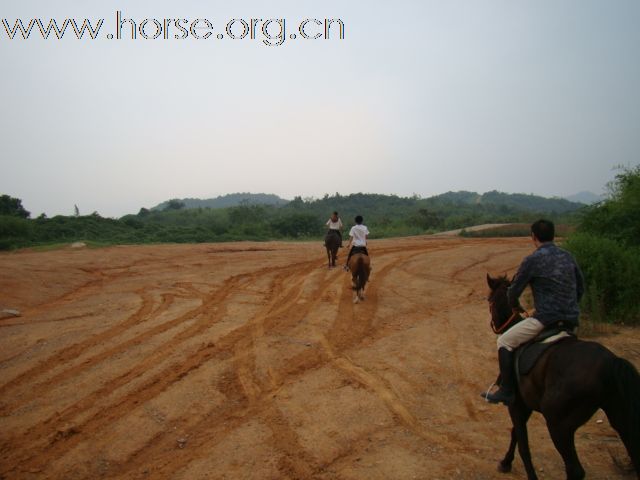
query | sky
(419,97)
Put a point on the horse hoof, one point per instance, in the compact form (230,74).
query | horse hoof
(504,468)
(356,299)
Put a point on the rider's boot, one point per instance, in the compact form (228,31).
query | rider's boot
(506,393)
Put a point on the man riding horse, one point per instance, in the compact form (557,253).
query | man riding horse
(557,286)
(333,239)
(357,239)
(335,227)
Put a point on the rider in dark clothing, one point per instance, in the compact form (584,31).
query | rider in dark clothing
(556,282)
(557,286)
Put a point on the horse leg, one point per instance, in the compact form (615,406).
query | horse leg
(622,425)
(520,414)
(562,423)
(563,439)
(354,286)
(505,464)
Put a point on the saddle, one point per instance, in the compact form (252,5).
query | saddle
(528,354)
(355,250)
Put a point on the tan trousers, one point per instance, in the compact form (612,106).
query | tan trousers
(520,333)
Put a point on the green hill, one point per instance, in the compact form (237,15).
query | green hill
(225,201)
(518,201)
(243,216)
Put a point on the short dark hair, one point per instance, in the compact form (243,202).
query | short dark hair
(335,213)
(359,219)
(543,230)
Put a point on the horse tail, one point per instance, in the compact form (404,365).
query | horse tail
(624,411)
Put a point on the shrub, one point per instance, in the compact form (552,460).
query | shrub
(14,232)
(612,277)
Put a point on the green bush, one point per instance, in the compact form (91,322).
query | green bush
(14,232)
(607,248)
(612,277)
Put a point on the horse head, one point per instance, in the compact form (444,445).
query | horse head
(501,313)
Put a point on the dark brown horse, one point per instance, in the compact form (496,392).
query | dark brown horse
(360,267)
(569,382)
(332,242)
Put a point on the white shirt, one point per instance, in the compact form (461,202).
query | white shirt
(359,234)
(334,225)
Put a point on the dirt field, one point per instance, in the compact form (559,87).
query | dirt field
(249,361)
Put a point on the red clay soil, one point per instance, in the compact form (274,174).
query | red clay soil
(250,361)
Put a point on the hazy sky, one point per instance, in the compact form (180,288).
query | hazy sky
(423,97)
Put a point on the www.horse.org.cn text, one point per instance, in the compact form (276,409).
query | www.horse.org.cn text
(271,32)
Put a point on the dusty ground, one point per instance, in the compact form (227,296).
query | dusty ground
(250,361)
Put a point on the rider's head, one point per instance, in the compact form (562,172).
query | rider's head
(359,219)
(543,231)
(334,216)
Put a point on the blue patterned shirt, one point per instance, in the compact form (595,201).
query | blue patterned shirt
(556,282)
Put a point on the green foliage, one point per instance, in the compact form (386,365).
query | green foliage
(607,248)
(174,204)
(612,275)
(14,230)
(12,207)
(230,200)
(618,217)
(385,215)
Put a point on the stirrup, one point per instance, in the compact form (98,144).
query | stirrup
(499,396)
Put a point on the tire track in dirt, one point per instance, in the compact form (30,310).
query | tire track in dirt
(139,317)
(155,385)
(101,278)
(260,395)
(337,342)
(452,333)
(67,354)
(288,309)
(279,315)
(257,393)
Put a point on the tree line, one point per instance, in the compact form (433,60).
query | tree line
(299,219)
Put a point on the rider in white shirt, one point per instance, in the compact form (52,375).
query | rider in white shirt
(357,239)
(335,225)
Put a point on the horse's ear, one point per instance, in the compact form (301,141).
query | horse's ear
(493,283)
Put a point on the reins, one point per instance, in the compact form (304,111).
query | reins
(505,325)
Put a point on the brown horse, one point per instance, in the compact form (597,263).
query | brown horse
(332,242)
(570,381)
(360,267)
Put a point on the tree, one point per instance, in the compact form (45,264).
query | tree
(617,217)
(427,219)
(76,211)
(12,207)
(174,204)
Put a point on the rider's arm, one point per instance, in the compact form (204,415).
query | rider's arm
(519,283)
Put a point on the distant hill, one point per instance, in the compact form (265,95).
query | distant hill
(377,204)
(246,216)
(587,198)
(230,200)
(514,201)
